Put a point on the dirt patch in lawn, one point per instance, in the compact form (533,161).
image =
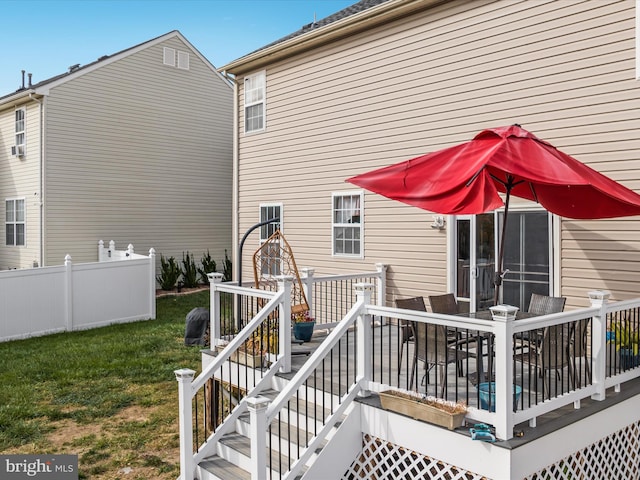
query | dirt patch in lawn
(117,448)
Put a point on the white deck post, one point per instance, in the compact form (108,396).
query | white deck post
(215,332)
(68,301)
(382,284)
(503,316)
(258,434)
(152,279)
(363,338)
(187,466)
(284,335)
(598,298)
(307,286)
(101,253)
(130,252)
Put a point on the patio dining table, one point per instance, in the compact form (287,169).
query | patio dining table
(482,337)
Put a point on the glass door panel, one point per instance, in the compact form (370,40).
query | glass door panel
(526,256)
(485,264)
(475,261)
(463,262)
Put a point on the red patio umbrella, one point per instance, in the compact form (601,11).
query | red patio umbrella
(467,179)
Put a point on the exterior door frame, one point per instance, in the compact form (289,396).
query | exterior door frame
(555,225)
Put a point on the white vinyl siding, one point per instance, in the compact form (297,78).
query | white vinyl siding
(15,227)
(20,179)
(254,102)
(152,169)
(563,70)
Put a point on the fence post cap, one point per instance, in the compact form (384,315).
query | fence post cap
(184,374)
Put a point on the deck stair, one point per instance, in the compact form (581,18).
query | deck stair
(288,434)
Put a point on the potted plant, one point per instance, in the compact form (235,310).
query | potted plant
(253,351)
(303,324)
(426,408)
(627,343)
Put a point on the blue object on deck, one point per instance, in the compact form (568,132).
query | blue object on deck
(482,431)
(488,396)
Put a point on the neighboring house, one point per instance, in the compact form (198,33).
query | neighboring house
(135,147)
(387,80)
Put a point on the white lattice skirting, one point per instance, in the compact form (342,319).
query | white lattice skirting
(381,460)
(616,456)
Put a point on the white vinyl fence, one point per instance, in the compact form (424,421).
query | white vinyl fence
(41,301)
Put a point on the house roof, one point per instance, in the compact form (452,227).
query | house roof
(43,86)
(360,16)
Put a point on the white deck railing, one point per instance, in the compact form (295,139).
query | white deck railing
(364,321)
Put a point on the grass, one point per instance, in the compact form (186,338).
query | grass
(108,395)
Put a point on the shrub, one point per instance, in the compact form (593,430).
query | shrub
(227,273)
(208,266)
(189,271)
(169,273)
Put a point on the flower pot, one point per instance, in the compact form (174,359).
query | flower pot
(398,403)
(489,398)
(628,359)
(303,330)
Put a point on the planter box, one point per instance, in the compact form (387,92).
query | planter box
(243,358)
(420,410)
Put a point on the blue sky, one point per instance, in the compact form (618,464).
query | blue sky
(45,37)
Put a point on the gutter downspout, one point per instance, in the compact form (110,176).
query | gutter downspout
(41,160)
(235,217)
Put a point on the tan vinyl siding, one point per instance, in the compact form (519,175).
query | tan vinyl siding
(140,152)
(564,70)
(20,178)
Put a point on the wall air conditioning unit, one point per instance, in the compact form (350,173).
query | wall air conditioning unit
(17,151)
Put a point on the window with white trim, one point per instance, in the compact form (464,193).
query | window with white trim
(270,211)
(20,126)
(15,222)
(254,102)
(347,224)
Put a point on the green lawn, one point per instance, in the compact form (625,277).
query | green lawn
(108,395)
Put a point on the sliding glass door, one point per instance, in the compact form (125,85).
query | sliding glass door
(527,258)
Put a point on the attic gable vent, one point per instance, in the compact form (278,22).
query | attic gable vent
(169,56)
(183,60)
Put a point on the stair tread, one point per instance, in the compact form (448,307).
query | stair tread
(223,469)
(308,407)
(285,429)
(242,445)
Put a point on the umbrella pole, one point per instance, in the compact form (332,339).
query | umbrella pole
(497,281)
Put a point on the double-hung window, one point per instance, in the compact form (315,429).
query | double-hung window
(271,263)
(20,128)
(254,102)
(14,221)
(347,224)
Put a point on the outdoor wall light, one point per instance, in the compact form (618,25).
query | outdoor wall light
(438,222)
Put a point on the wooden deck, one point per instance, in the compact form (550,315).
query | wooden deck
(524,433)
